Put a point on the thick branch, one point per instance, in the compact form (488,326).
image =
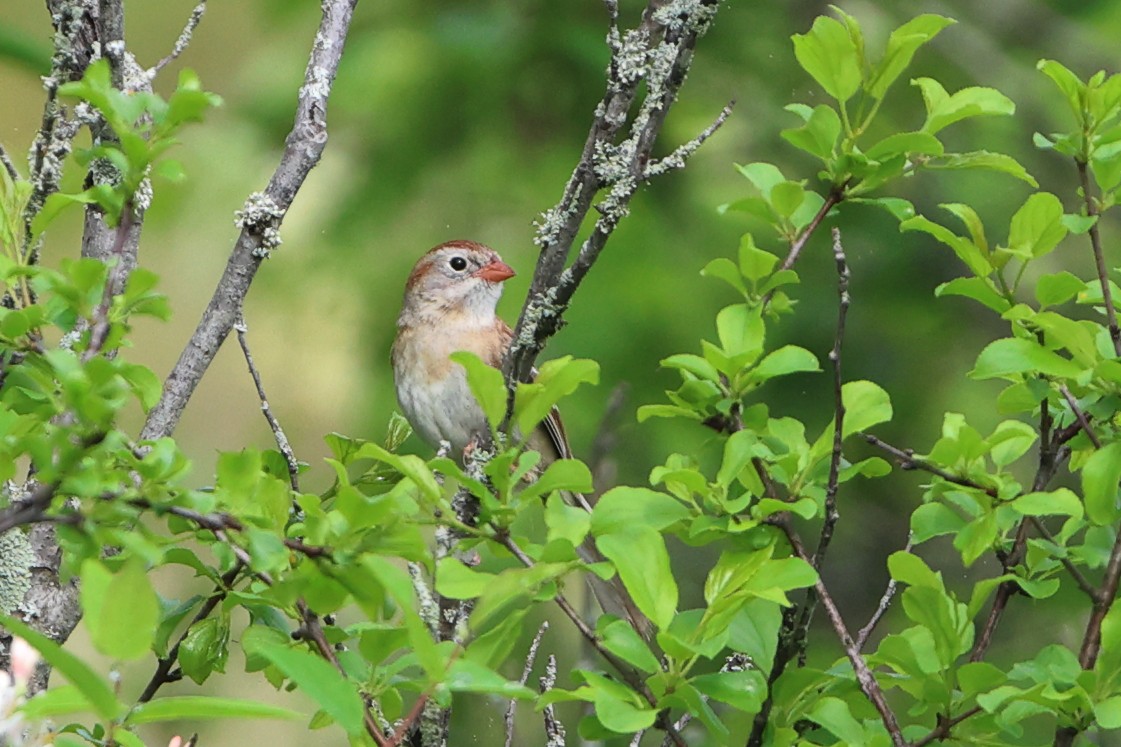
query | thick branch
(260,220)
(658,53)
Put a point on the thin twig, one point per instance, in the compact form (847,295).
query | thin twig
(530,658)
(864,676)
(182,42)
(1083,421)
(908,460)
(1079,579)
(942,731)
(833,481)
(278,433)
(633,679)
(1092,638)
(99,324)
(313,630)
(554,727)
(223,522)
(1099,256)
(831,513)
(260,221)
(8,165)
(881,608)
(796,246)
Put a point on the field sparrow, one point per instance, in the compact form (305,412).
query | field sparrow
(450,299)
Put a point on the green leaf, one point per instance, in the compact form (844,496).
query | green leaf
(621,639)
(1107,712)
(624,507)
(754,631)
(966,250)
(739,450)
(1011,356)
(617,708)
(143,382)
(910,569)
(470,676)
(1072,88)
(905,143)
(740,330)
(901,47)
(818,136)
(755,264)
(1009,441)
(557,379)
(57,701)
(1058,288)
(1100,475)
(828,53)
(55,204)
(786,360)
(787,197)
(972,221)
(725,269)
(982,290)
(694,364)
(1037,227)
(743,690)
(203,708)
(563,474)
(566,522)
(322,683)
(983,159)
(943,110)
(1059,502)
(866,404)
(409,465)
(779,576)
(121,609)
(763,176)
(1079,224)
(486,383)
(639,555)
(976,538)
(456,581)
(901,209)
(92,686)
(204,649)
(734,569)
(934,520)
(834,715)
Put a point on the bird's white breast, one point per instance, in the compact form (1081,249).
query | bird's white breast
(433,391)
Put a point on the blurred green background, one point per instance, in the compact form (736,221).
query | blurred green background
(464,119)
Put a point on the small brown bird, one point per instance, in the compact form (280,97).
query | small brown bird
(450,301)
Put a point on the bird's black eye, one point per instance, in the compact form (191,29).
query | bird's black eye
(457,263)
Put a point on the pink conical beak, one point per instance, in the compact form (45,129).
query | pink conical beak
(495,272)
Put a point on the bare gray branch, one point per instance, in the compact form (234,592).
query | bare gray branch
(302,151)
